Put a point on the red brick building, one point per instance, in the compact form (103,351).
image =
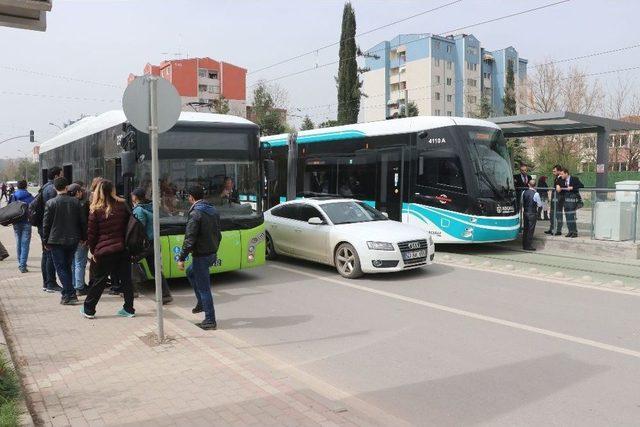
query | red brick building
(201,80)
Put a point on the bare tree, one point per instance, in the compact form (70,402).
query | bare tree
(544,89)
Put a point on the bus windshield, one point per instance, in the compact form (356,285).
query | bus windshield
(490,158)
(228,173)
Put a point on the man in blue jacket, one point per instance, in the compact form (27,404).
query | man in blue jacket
(22,228)
(47,267)
(143,211)
(201,240)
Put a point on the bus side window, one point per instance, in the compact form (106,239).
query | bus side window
(440,168)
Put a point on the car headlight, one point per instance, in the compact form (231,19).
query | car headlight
(380,246)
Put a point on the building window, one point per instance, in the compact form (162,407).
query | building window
(448,81)
(438,79)
(436,45)
(487,76)
(448,48)
(449,97)
(202,88)
(472,82)
(472,51)
(472,67)
(213,89)
(437,62)
(202,72)
(449,113)
(437,96)
(472,99)
(436,112)
(213,74)
(449,65)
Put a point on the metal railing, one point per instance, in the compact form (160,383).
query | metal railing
(606,214)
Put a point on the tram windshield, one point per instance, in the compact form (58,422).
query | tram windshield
(491,160)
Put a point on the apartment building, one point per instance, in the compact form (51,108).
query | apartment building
(443,76)
(200,81)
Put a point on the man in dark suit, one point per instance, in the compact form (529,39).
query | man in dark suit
(555,225)
(571,195)
(521,182)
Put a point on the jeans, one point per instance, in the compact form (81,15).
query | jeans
(118,264)
(63,261)
(23,239)
(151,264)
(198,275)
(47,267)
(79,266)
(529,228)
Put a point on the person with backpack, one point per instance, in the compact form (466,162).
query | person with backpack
(78,191)
(64,227)
(22,228)
(108,219)
(36,215)
(143,212)
(201,240)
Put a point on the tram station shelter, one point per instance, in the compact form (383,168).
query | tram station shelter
(567,123)
(25,14)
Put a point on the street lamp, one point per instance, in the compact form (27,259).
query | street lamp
(53,124)
(31,137)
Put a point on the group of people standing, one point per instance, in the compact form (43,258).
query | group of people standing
(7,191)
(79,225)
(534,201)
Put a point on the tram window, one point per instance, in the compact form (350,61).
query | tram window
(440,171)
(355,178)
(67,171)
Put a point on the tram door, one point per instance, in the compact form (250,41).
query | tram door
(390,183)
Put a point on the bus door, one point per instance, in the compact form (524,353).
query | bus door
(389,199)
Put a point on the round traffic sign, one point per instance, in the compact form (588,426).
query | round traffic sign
(136,103)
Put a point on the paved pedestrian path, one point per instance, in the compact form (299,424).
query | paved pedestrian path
(110,371)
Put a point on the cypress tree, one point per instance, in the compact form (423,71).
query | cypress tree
(509,98)
(349,83)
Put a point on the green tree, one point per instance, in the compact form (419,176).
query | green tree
(329,123)
(348,79)
(509,98)
(518,152)
(307,124)
(412,109)
(220,105)
(267,116)
(486,109)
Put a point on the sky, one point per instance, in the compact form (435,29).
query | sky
(81,63)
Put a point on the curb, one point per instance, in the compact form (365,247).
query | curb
(26,419)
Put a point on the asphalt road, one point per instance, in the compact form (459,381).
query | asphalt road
(444,345)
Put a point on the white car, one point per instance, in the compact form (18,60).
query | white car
(347,234)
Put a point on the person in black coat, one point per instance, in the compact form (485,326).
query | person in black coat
(571,200)
(521,182)
(555,203)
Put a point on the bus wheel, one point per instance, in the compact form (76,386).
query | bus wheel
(348,262)
(271,251)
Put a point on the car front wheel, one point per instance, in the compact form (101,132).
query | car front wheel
(348,262)
(270,249)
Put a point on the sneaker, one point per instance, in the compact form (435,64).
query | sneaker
(69,301)
(54,288)
(207,325)
(23,269)
(82,291)
(88,316)
(557,234)
(114,291)
(166,300)
(548,232)
(124,313)
(197,309)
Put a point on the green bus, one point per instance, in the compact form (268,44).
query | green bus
(201,149)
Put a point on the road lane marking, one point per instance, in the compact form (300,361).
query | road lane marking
(565,281)
(469,314)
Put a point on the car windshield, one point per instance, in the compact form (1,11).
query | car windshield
(351,212)
(491,160)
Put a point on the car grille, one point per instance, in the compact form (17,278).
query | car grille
(414,245)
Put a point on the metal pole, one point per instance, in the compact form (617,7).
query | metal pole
(594,203)
(155,197)
(635,218)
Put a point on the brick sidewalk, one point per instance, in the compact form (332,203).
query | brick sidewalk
(108,372)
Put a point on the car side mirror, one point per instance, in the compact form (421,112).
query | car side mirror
(270,170)
(385,214)
(315,221)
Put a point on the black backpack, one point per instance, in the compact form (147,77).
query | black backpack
(36,209)
(136,241)
(13,213)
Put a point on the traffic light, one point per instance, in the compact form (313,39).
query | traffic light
(32,137)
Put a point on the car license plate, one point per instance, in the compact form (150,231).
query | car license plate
(415,254)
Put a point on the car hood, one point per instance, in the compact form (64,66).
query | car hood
(382,231)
